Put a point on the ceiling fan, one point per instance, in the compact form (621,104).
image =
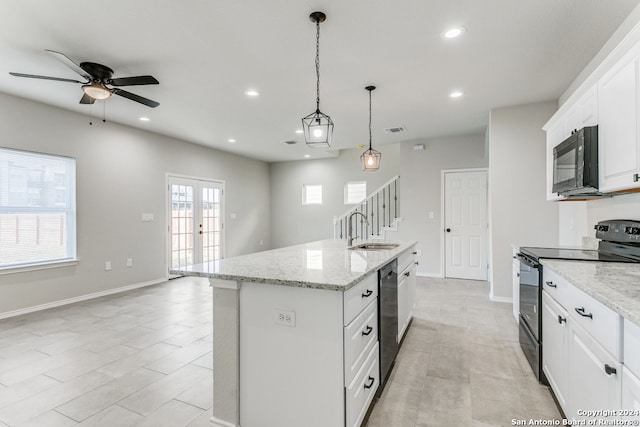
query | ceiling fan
(98,79)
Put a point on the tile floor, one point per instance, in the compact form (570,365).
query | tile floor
(143,358)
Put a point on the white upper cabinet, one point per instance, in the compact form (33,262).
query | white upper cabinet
(618,137)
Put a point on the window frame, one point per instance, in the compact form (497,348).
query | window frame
(305,199)
(69,184)
(346,192)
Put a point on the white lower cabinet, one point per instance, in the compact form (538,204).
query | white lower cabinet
(406,291)
(594,375)
(362,389)
(554,350)
(630,393)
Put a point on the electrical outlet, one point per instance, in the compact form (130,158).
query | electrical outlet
(129,262)
(285,318)
(107,265)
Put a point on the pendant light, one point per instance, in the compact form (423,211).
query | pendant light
(318,127)
(370,158)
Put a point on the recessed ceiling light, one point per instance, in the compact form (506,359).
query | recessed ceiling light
(231,141)
(299,131)
(456,94)
(306,156)
(453,32)
(143,119)
(252,93)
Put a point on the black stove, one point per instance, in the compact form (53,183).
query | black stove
(619,242)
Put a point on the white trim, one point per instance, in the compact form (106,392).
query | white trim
(500,299)
(217,422)
(80,298)
(442,218)
(41,266)
(437,275)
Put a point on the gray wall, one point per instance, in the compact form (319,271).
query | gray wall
(520,213)
(121,173)
(291,222)
(422,191)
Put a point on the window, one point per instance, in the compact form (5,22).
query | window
(355,192)
(37,208)
(311,194)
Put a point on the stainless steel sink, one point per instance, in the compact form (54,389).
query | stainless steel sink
(375,246)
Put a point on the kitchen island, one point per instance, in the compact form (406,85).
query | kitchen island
(296,333)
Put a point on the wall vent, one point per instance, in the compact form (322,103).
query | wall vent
(395,129)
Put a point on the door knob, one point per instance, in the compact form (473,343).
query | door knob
(448,230)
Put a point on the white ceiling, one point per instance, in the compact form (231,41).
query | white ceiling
(207,53)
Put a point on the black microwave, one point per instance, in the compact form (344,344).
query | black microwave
(575,163)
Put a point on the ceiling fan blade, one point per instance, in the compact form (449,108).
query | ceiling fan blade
(86,99)
(134,81)
(33,76)
(134,97)
(69,63)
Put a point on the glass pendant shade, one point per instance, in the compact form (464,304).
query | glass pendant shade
(96,91)
(318,129)
(370,160)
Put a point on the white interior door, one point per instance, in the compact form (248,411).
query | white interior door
(196,227)
(466,225)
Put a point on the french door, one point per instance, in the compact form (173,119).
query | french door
(196,228)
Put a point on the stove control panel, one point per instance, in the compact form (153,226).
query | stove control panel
(618,230)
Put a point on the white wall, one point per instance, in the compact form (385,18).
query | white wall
(520,213)
(421,191)
(293,223)
(121,173)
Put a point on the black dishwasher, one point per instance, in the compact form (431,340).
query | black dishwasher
(388,319)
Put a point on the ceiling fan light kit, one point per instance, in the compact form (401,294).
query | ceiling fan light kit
(370,158)
(98,79)
(317,126)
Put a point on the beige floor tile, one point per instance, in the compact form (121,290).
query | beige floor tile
(200,394)
(108,394)
(113,416)
(204,420)
(171,414)
(22,390)
(49,419)
(125,365)
(180,358)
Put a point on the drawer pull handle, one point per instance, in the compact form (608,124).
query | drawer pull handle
(370,382)
(561,319)
(408,273)
(367,294)
(551,284)
(415,252)
(636,177)
(581,312)
(609,370)
(367,330)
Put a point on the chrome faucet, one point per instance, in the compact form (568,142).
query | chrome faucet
(350,228)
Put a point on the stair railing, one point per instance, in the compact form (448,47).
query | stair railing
(382,208)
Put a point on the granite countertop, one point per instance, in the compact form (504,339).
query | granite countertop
(325,264)
(614,284)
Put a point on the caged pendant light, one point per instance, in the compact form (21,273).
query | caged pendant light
(370,158)
(318,127)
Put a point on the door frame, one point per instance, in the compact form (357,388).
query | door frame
(443,253)
(167,225)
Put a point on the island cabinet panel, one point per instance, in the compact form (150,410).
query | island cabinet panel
(360,336)
(359,297)
(362,389)
(291,376)
(630,394)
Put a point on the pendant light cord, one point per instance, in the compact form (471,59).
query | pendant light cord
(369,120)
(318,65)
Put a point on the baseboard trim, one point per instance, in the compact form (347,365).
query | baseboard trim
(217,422)
(438,275)
(500,299)
(80,298)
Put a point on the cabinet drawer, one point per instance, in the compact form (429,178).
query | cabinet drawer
(406,259)
(599,321)
(556,286)
(358,297)
(362,389)
(360,336)
(632,347)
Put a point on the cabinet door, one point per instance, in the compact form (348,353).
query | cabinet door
(555,135)
(411,287)
(630,393)
(594,375)
(555,347)
(403,298)
(619,153)
(588,108)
